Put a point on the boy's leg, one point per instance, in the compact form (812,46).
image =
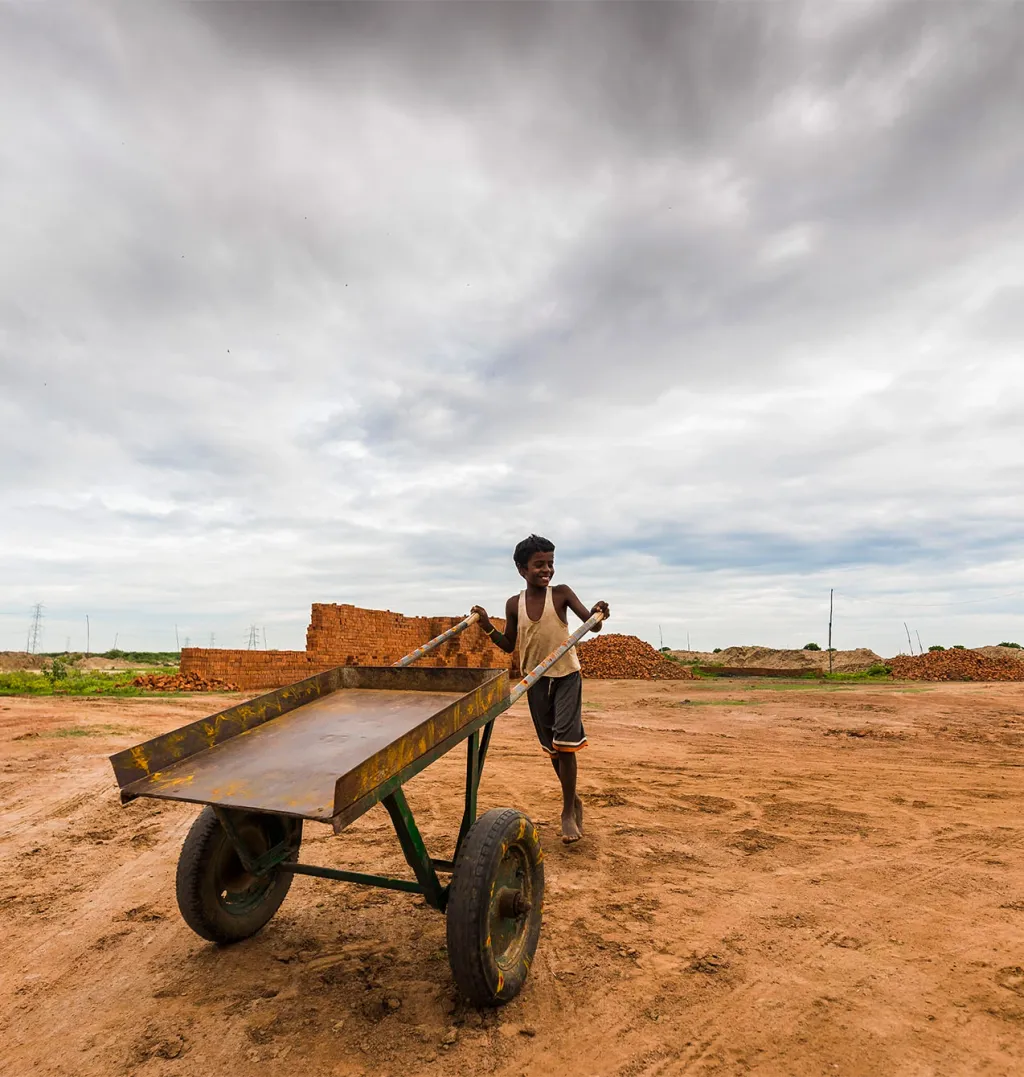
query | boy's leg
(568,738)
(543,714)
(572,806)
(569,794)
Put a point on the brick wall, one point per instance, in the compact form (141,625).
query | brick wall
(251,669)
(348,635)
(341,635)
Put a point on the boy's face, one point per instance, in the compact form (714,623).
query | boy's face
(539,569)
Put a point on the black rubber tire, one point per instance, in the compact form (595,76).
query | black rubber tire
(502,845)
(216,897)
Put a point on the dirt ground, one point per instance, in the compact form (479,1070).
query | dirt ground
(776,879)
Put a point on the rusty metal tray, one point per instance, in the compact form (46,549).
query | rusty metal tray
(326,749)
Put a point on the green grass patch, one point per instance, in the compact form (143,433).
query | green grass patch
(873,674)
(75,683)
(711,671)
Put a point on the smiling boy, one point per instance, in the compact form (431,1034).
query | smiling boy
(536,622)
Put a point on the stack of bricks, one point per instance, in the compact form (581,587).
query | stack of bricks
(340,635)
(347,635)
(250,669)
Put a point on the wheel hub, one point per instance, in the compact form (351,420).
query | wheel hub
(512,903)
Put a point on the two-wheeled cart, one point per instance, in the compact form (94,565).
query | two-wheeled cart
(326,750)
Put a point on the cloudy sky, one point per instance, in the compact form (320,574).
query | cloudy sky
(336,303)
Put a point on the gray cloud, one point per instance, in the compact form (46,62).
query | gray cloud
(304,302)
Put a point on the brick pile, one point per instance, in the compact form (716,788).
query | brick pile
(955,665)
(182,682)
(627,658)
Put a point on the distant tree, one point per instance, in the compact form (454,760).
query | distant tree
(1016,646)
(959,647)
(811,647)
(936,647)
(717,650)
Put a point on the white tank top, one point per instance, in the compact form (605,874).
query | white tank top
(537,639)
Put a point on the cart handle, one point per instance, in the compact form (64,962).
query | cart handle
(537,672)
(412,656)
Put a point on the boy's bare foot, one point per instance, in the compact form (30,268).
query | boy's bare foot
(571,832)
(578,811)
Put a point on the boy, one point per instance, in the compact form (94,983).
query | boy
(535,619)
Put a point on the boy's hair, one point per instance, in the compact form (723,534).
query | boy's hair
(528,547)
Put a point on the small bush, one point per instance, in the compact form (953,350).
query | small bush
(717,650)
(936,647)
(1015,646)
(879,669)
(56,670)
(959,647)
(811,647)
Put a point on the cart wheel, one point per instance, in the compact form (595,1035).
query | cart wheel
(217,897)
(494,907)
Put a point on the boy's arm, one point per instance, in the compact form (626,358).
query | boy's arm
(505,640)
(568,596)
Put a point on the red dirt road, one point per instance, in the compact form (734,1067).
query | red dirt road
(758,892)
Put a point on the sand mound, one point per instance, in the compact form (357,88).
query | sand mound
(12,661)
(1014,653)
(955,665)
(99,664)
(853,661)
(627,658)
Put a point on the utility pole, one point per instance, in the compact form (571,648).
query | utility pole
(212,637)
(687,640)
(661,638)
(254,638)
(34,630)
(830,590)
(909,644)
(88,640)
(264,637)
(177,642)
(920,648)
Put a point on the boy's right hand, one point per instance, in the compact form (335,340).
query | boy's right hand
(484,622)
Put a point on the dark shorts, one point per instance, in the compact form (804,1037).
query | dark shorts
(556,706)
